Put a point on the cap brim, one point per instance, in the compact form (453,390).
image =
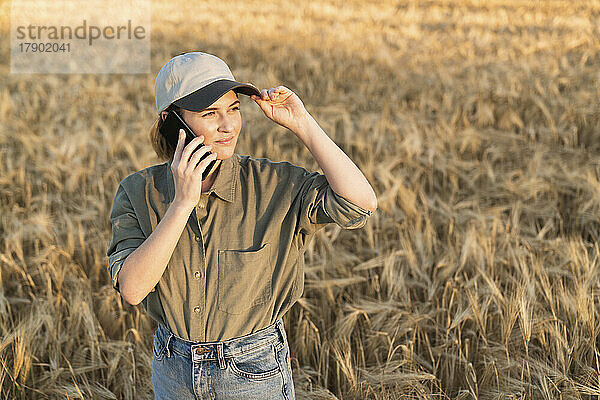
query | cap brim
(204,97)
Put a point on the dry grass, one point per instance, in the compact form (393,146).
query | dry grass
(476,123)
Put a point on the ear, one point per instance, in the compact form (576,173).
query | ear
(163,115)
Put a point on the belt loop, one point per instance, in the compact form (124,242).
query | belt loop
(281,328)
(169,336)
(222,364)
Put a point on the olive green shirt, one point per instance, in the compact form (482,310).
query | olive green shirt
(239,263)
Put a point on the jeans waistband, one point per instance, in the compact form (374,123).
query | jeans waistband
(274,333)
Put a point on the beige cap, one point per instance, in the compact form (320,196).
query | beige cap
(194,81)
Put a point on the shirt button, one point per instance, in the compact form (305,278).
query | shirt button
(197,274)
(197,238)
(196,309)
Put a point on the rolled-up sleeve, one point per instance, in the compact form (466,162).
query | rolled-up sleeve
(126,234)
(320,205)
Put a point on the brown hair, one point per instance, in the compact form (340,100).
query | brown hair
(162,149)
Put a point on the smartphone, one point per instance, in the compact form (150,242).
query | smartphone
(170,130)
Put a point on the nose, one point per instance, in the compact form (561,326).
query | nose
(226,123)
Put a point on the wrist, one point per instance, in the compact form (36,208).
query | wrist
(181,207)
(302,127)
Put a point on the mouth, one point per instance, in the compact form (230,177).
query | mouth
(225,141)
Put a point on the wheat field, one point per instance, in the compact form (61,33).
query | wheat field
(476,122)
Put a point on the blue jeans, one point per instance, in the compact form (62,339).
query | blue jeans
(253,366)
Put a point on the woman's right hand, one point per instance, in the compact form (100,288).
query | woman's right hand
(187,172)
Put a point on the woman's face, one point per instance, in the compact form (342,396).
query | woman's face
(221,120)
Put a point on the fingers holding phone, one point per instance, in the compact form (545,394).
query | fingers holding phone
(196,149)
(188,169)
(200,158)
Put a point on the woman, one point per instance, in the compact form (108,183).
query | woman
(218,262)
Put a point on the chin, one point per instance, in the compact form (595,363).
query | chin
(226,153)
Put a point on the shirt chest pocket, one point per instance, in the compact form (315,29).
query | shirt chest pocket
(245,279)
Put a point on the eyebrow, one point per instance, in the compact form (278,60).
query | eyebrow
(214,108)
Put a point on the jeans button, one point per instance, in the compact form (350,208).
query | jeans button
(196,309)
(197,274)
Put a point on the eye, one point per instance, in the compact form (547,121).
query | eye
(212,112)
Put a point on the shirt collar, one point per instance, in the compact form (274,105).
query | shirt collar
(224,184)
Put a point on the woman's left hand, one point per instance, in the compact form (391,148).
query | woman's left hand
(281,105)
